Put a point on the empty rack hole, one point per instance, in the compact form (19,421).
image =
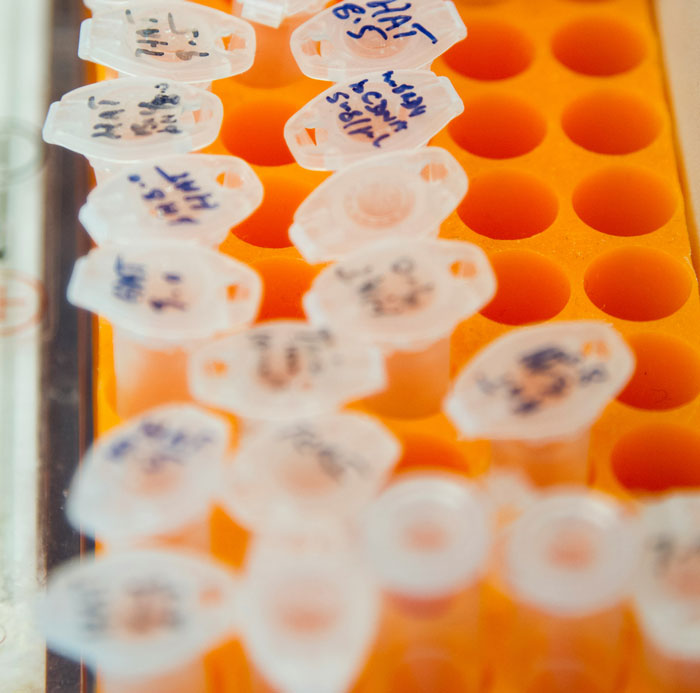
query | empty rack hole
(624,201)
(598,46)
(666,375)
(657,457)
(610,121)
(507,205)
(268,225)
(493,50)
(498,126)
(285,281)
(254,131)
(531,288)
(636,283)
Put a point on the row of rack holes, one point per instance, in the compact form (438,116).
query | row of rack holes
(631,283)
(508,204)
(635,458)
(606,121)
(594,46)
(493,125)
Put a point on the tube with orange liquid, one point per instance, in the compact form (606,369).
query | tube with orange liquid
(309,612)
(568,565)
(535,393)
(406,298)
(428,538)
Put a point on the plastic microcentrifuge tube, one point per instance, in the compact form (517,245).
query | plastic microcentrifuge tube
(142,618)
(569,563)
(323,469)
(284,370)
(406,298)
(352,38)
(667,593)
(152,479)
(375,112)
(401,196)
(428,537)
(163,299)
(192,198)
(535,393)
(121,121)
(271,13)
(182,41)
(309,615)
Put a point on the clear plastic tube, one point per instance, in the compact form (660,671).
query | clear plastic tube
(569,560)
(309,615)
(547,462)
(163,298)
(405,297)
(535,393)
(428,539)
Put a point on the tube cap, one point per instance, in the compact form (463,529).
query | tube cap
(667,588)
(152,475)
(351,38)
(165,292)
(284,370)
(402,295)
(539,383)
(428,535)
(572,553)
(136,614)
(401,196)
(375,112)
(132,119)
(176,198)
(309,617)
(326,468)
(181,41)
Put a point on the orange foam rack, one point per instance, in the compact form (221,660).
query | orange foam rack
(575,194)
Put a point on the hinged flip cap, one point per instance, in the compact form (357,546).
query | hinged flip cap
(135,614)
(540,383)
(350,38)
(284,370)
(131,119)
(325,468)
(181,41)
(194,198)
(165,292)
(150,476)
(401,196)
(403,295)
(372,113)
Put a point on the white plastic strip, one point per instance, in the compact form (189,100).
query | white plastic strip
(22,110)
